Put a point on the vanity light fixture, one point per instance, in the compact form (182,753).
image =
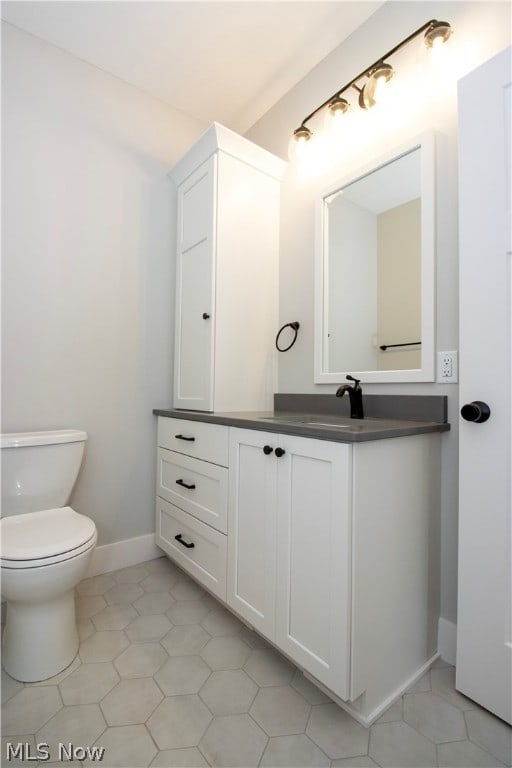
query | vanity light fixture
(377,75)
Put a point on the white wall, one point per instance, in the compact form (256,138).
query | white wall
(88,276)
(481,30)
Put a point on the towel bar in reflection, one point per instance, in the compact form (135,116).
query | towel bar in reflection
(404,344)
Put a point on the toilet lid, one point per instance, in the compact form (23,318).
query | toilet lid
(47,533)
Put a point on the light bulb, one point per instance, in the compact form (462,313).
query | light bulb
(375,86)
(380,85)
(335,115)
(437,60)
(298,144)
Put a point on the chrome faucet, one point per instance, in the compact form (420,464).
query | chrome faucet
(355,394)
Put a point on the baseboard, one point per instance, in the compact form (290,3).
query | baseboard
(447,640)
(368,718)
(121,554)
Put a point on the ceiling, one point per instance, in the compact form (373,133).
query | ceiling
(223,61)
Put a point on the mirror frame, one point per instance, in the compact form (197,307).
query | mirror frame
(424,142)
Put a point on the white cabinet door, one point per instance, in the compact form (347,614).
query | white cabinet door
(314,558)
(289,547)
(193,375)
(252,528)
(484,630)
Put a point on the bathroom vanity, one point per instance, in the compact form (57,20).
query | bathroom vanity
(319,532)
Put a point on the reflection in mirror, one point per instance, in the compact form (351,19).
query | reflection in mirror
(377,273)
(374,241)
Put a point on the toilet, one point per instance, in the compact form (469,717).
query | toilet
(45,550)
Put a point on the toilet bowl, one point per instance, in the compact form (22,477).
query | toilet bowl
(44,552)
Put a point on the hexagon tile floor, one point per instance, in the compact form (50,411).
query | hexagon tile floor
(165,676)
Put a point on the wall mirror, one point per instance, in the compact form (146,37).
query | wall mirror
(374,293)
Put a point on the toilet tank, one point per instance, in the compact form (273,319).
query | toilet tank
(39,469)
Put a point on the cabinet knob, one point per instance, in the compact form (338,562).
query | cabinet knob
(280,452)
(476,411)
(206,316)
(267,449)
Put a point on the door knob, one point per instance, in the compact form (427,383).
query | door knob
(206,316)
(280,452)
(267,449)
(476,411)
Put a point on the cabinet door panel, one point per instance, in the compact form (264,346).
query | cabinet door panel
(252,528)
(195,207)
(195,290)
(314,564)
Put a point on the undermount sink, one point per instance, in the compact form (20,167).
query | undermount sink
(282,417)
(310,420)
(326,420)
(328,424)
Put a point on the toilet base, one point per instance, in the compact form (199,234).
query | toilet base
(40,635)
(40,640)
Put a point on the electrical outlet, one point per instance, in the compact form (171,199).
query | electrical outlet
(447,367)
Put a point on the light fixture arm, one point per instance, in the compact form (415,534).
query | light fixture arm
(428,26)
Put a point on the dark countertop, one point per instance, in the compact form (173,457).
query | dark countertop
(324,426)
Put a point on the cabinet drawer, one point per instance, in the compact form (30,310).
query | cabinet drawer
(206,559)
(195,486)
(194,438)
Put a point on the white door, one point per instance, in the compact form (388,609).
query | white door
(314,557)
(252,513)
(484,649)
(193,376)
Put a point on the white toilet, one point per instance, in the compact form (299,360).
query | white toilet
(45,550)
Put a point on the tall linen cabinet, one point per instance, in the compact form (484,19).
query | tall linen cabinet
(228,202)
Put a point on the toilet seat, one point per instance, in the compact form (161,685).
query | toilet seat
(46,537)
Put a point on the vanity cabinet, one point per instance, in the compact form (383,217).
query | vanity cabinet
(226,273)
(191,504)
(332,555)
(329,549)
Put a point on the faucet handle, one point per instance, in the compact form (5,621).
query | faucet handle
(351,378)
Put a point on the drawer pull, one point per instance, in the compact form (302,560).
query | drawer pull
(183,437)
(280,452)
(267,449)
(181,482)
(184,543)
